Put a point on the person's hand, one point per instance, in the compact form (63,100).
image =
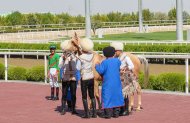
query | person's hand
(64,58)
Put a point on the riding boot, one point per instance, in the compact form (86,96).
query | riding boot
(85,104)
(94,115)
(69,105)
(122,109)
(126,107)
(57,93)
(63,103)
(73,107)
(52,93)
(115,112)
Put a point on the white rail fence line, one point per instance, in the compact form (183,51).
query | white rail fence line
(154,42)
(59,51)
(106,24)
(186,57)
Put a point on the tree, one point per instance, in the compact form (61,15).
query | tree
(47,18)
(80,19)
(2,21)
(114,17)
(134,16)
(31,19)
(65,18)
(96,24)
(147,15)
(126,17)
(160,16)
(172,14)
(186,15)
(15,18)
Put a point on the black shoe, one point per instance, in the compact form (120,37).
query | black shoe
(63,112)
(125,113)
(106,114)
(86,116)
(116,112)
(74,112)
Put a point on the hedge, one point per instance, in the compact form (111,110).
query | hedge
(165,82)
(99,47)
(2,71)
(35,74)
(17,73)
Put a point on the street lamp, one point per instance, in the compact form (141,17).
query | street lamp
(87,19)
(179,25)
(140,16)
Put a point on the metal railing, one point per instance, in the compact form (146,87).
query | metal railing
(179,56)
(72,26)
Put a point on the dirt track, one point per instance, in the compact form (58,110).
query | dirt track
(154,68)
(26,103)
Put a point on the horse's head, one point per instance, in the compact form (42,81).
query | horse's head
(71,46)
(75,41)
(77,45)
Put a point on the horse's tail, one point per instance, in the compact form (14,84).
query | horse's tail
(146,69)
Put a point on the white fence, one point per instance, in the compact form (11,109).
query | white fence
(179,56)
(104,24)
(152,42)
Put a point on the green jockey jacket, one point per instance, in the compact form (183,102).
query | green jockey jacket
(53,61)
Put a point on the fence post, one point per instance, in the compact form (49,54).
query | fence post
(45,68)
(6,68)
(22,54)
(187,76)
(37,54)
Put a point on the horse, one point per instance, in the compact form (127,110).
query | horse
(137,61)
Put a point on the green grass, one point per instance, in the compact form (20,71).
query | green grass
(142,36)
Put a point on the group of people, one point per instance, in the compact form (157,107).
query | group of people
(116,70)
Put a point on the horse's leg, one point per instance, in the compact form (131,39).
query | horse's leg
(131,102)
(139,97)
(96,93)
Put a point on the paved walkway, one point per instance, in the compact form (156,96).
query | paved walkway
(27,103)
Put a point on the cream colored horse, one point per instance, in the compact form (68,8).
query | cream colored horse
(98,59)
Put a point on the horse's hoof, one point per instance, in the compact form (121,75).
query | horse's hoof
(139,108)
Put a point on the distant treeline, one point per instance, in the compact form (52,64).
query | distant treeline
(17,18)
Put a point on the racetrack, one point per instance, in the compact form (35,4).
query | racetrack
(27,103)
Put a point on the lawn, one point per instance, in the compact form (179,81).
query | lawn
(142,36)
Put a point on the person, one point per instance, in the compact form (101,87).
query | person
(112,97)
(68,64)
(127,75)
(84,65)
(53,71)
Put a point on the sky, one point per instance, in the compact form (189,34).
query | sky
(76,7)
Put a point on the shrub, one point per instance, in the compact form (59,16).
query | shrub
(171,81)
(36,74)
(17,73)
(165,82)
(2,71)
